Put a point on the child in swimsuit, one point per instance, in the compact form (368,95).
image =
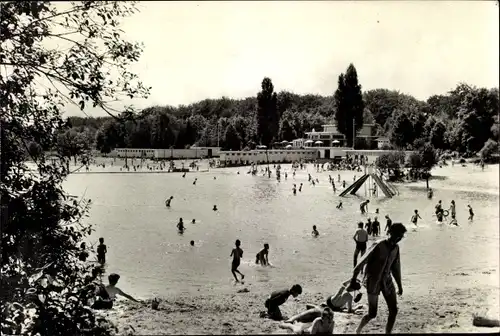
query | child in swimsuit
(263,256)
(237,254)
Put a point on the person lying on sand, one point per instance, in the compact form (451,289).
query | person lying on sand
(338,302)
(276,299)
(323,324)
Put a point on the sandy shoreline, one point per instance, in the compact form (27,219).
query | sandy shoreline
(439,311)
(447,307)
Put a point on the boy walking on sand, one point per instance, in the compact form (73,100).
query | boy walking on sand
(381,261)
(237,254)
(101,251)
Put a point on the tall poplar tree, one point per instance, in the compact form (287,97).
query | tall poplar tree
(349,102)
(267,114)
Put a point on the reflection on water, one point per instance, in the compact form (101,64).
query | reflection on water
(145,248)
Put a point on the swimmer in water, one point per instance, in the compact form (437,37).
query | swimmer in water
(215,208)
(340,205)
(315,232)
(415,217)
(263,256)
(180,225)
(215,178)
(191,242)
(193,221)
(471,213)
(168,200)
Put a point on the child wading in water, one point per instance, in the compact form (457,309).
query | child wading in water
(237,254)
(101,251)
(263,256)
(415,217)
(471,213)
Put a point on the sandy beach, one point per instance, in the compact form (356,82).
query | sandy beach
(447,311)
(446,305)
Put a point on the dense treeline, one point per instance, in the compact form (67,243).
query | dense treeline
(463,120)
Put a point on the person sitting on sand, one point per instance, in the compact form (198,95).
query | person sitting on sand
(276,299)
(345,297)
(315,232)
(263,256)
(113,291)
(322,325)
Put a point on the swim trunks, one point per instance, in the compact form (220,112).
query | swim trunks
(361,246)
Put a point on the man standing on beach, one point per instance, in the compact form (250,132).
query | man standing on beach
(360,237)
(381,261)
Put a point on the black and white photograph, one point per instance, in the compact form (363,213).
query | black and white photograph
(249,167)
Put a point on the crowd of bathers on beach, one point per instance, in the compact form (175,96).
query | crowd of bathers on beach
(377,263)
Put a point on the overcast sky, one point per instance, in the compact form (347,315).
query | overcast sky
(198,50)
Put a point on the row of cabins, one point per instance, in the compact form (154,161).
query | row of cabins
(326,144)
(286,156)
(171,153)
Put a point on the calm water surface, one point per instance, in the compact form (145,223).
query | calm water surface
(153,259)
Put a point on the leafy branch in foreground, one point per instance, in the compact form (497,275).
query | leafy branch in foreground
(52,55)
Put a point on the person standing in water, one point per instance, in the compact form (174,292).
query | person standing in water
(375,227)
(237,254)
(101,251)
(415,217)
(300,187)
(439,211)
(180,225)
(360,238)
(388,224)
(363,207)
(453,210)
(263,256)
(381,261)
(315,232)
(471,213)
(294,189)
(369,226)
